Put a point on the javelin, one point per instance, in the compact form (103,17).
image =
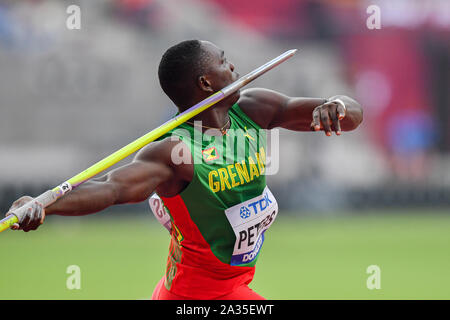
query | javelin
(50,196)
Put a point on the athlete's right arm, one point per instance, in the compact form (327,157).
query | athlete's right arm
(130,183)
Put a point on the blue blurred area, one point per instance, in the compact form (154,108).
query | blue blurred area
(6,28)
(411,133)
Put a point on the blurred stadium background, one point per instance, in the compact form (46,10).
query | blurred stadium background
(376,196)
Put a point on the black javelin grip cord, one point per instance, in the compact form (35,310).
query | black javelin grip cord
(50,196)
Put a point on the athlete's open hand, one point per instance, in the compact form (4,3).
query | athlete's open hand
(328,116)
(34,216)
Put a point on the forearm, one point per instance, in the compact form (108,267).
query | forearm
(91,197)
(298,113)
(130,183)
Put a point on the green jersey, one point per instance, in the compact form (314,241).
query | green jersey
(219,220)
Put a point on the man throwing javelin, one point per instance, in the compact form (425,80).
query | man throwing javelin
(219,209)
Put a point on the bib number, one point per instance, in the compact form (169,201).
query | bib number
(249,220)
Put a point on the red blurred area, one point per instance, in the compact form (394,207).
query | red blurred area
(134,4)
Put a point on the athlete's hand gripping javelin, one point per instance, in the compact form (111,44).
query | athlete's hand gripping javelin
(33,217)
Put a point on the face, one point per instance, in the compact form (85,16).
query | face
(220,71)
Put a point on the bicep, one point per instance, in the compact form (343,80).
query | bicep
(136,181)
(262,105)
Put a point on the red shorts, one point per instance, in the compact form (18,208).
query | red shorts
(241,293)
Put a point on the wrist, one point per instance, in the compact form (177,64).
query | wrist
(338,101)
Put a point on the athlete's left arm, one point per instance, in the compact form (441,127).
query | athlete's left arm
(271,109)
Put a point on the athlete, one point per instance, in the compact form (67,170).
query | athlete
(217,211)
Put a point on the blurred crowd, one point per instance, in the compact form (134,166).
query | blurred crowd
(71,97)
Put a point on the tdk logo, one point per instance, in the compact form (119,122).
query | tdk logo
(261,204)
(256,206)
(244,212)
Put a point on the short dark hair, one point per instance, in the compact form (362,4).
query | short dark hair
(179,68)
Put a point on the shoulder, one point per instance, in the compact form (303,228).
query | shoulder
(160,151)
(261,104)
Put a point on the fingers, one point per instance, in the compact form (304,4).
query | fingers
(340,111)
(43,215)
(24,224)
(34,215)
(325,119)
(334,120)
(315,125)
(328,116)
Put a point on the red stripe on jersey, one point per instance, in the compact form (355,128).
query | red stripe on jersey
(200,274)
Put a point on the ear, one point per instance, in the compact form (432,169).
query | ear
(204,84)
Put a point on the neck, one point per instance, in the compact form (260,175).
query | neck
(216,116)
